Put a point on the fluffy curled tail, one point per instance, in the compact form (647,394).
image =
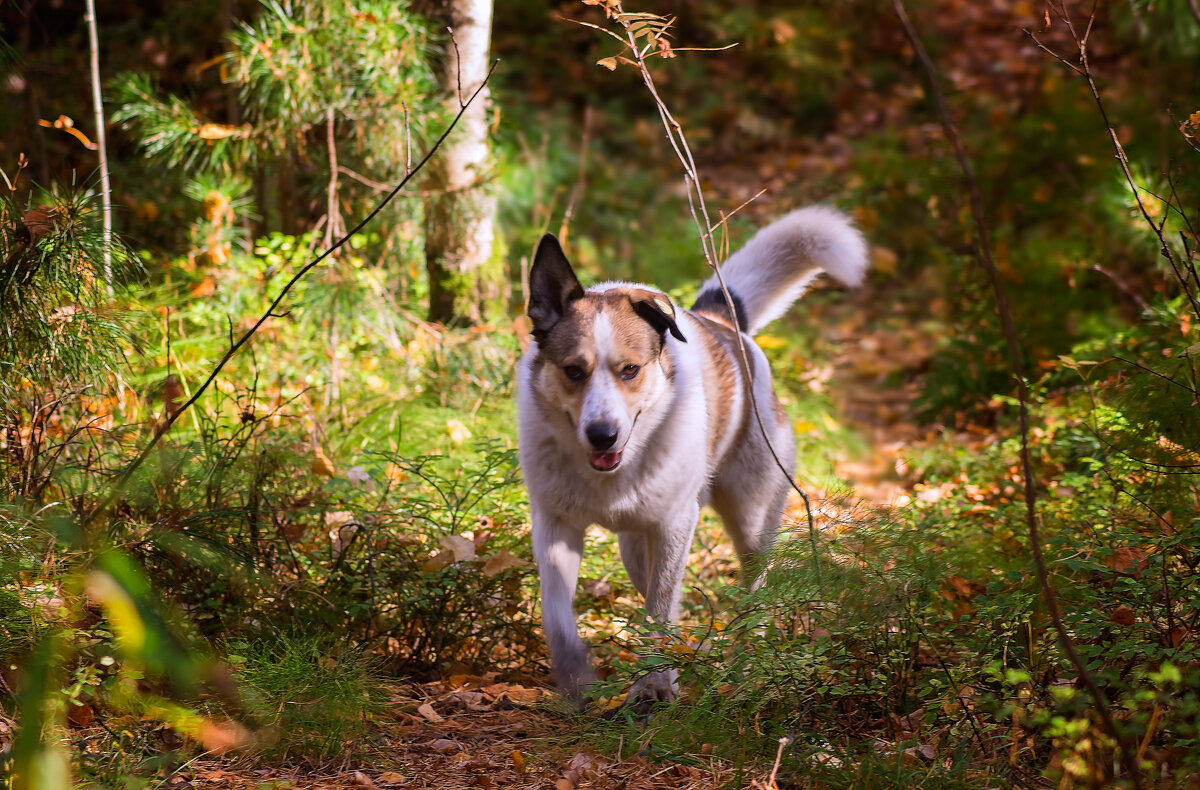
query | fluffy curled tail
(775,267)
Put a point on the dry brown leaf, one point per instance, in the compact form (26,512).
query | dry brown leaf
(1128,561)
(518,762)
(502,561)
(444,746)
(1122,615)
(426,710)
(81,715)
(391,778)
(460,547)
(321,464)
(359,779)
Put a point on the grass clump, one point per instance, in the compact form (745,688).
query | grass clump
(317,696)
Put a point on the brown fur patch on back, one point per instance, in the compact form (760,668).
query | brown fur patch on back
(723,372)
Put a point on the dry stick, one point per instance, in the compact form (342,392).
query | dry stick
(133,466)
(98,107)
(581,181)
(987,263)
(701,218)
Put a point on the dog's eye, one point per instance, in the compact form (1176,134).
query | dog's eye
(630,371)
(574,373)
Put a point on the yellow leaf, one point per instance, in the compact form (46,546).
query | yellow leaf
(769,342)
(608,63)
(502,561)
(803,427)
(518,762)
(458,432)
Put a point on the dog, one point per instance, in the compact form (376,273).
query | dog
(633,415)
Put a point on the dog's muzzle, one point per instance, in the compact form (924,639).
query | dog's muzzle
(602,435)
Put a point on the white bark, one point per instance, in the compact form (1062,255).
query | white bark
(460,234)
(98,107)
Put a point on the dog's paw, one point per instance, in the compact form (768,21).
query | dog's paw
(574,683)
(656,688)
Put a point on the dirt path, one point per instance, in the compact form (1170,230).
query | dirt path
(465,733)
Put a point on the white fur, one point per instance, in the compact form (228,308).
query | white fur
(776,266)
(653,498)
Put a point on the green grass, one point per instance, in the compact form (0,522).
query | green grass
(313,697)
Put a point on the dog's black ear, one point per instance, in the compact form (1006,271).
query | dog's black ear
(658,311)
(552,286)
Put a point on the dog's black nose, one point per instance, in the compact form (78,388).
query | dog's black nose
(602,435)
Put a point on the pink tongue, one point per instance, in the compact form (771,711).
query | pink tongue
(605,461)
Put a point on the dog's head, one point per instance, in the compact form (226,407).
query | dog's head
(600,356)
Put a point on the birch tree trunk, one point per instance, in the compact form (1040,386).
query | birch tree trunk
(466,272)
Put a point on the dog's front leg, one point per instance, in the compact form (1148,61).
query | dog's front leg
(558,548)
(667,552)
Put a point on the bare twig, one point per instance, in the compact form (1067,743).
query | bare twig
(1083,69)
(136,463)
(987,263)
(581,181)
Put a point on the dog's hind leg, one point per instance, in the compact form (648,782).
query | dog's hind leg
(559,550)
(752,512)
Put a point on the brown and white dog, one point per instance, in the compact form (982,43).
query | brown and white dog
(634,415)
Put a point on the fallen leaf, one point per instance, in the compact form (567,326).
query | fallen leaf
(444,746)
(359,779)
(427,711)
(518,762)
(391,778)
(1128,561)
(321,464)
(461,548)
(502,561)
(1122,615)
(80,715)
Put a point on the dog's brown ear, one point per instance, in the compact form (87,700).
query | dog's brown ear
(552,286)
(658,311)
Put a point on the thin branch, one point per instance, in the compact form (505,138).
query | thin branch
(165,426)
(1084,70)
(581,180)
(98,108)
(987,263)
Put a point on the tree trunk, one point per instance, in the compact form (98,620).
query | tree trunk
(466,273)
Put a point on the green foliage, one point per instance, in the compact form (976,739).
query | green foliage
(317,697)
(60,329)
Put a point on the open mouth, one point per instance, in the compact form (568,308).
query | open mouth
(605,461)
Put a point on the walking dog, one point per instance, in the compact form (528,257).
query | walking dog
(634,415)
